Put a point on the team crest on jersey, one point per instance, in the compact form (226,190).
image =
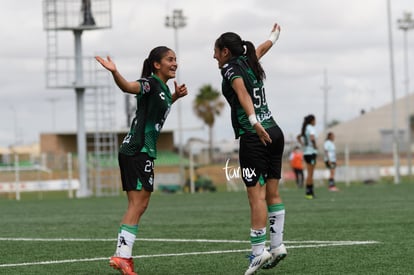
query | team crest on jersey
(146,87)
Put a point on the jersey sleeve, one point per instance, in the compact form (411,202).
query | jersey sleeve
(145,85)
(311,131)
(230,71)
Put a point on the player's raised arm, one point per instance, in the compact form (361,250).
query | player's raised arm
(263,48)
(132,87)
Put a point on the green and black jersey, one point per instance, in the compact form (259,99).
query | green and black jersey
(235,68)
(153,105)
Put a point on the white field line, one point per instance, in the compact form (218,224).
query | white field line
(169,240)
(307,244)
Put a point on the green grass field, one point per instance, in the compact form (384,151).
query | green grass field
(360,230)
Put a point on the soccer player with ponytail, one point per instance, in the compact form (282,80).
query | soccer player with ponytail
(261,142)
(138,150)
(307,138)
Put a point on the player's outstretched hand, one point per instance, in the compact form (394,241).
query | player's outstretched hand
(107,64)
(274,34)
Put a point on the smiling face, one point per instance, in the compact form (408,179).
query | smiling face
(222,56)
(167,67)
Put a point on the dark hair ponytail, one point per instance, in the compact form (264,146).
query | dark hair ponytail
(236,46)
(307,120)
(146,68)
(253,61)
(155,56)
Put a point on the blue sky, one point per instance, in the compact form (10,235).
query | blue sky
(347,38)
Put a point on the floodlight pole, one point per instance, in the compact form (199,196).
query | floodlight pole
(75,15)
(394,107)
(15,123)
(325,88)
(177,21)
(405,24)
(80,105)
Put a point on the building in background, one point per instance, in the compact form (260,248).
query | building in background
(372,132)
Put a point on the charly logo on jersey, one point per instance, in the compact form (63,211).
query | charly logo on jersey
(162,95)
(127,138)
(229,73)
(158,126)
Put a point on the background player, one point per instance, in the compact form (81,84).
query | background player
(307,138)
(330,160)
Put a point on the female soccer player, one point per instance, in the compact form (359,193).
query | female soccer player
(307,138)
(261,141)
(138,149)
(330,160)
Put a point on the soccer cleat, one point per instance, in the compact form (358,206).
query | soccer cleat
(278,254)
(123,265)
(309,196)
(333,188)
(257,262)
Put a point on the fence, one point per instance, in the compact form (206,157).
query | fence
(35,176)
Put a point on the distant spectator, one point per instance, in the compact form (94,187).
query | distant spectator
(296,162)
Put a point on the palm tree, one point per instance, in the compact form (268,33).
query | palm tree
(207,105)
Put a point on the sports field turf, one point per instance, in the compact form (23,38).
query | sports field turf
(360,230)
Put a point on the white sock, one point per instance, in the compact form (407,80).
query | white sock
(125,243)
(277,223)
(257,240)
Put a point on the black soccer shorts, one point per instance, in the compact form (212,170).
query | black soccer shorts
(137,172)
(258,161)
(310,159)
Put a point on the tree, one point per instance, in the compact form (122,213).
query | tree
(207,105)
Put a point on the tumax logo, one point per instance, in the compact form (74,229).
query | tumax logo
(233,172)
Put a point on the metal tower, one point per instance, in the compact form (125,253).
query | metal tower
(102,144)
(81,73)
